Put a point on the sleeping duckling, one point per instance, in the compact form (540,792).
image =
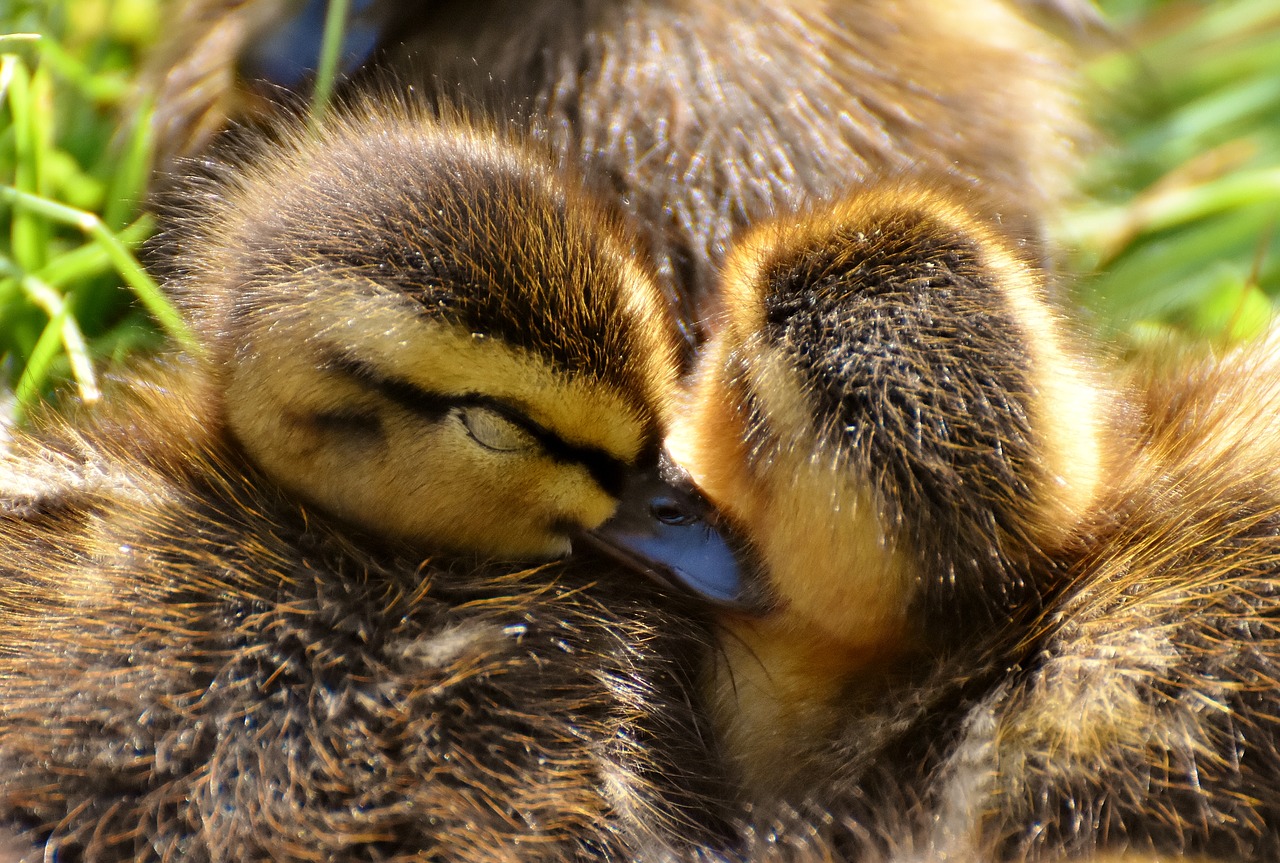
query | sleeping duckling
(697,118)
(1023,608)
(401,295)
(218,640)
(1136,718)
(879,409)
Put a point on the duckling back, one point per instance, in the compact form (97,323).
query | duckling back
(702,118)
(1151,712)
(766,110)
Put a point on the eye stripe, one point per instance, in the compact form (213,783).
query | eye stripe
(608,471)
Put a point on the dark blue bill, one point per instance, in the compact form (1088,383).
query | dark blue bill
(666,530)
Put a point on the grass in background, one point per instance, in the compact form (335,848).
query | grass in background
(70,185)
(1178,231)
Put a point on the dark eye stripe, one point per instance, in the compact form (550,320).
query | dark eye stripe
(356,424)
(608,471)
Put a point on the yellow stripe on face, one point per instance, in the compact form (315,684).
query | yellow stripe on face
(391,335)
(361,452)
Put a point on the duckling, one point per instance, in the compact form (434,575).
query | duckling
(1135,717)
(699,118)
(219,639)
(414,293)
(1023,607)
(879,410)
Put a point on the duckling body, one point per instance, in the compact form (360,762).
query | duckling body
(198,667)
(1136,717)
(1039,617)
(218,646)
(702,118)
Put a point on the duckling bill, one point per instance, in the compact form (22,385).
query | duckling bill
(666,529)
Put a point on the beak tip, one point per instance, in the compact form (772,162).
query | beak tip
(666,530)
(691,558)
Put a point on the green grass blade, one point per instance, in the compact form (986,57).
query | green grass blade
(144,287)
(335,25)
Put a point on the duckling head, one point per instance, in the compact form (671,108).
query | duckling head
(892,411)
(430,332)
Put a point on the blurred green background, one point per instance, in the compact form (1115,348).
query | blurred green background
(1177,227)
(1174,233)
(69,288)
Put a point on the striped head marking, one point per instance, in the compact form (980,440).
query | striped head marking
(428,331)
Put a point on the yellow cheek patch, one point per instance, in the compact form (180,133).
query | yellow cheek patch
(463,497)
(830,564)
(428,482)
(829,556)
(841,588)
(708,437)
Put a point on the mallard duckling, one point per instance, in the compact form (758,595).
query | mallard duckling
(1023,608)
(429,333)
(217,637)
(879,409)
(702,118)
(416,293)
(1136,717)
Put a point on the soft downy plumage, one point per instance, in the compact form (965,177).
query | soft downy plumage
(210,654)
(1050,629)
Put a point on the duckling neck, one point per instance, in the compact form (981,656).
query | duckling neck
(778,691)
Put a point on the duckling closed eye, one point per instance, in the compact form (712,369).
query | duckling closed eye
(880,409)
(431,333)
